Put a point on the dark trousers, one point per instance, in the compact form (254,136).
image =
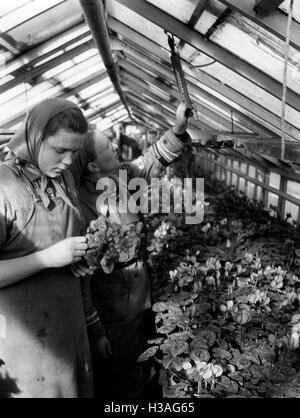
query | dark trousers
(121,376)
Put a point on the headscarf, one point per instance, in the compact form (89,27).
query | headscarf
(26,144)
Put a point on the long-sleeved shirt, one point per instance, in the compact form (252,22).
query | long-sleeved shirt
(150,165)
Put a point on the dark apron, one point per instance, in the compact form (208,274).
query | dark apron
(44,350)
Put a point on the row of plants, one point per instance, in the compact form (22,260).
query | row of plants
(226,300)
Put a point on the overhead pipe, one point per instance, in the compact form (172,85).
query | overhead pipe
(93,11)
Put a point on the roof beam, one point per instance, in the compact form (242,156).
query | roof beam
(139,89)
(133,78)
(162,123)
(199,42)
(199,9)
(35,72)
(162,111)
(259,113)
(139,120)
(112,122)
(132,81)
(9,43)
(36,54)
(148,115)
(105,109)
(145,119)
(167,73)
(66,92)
(84,83)
(205,111)
(275,22)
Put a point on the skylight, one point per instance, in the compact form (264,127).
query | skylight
(25,12)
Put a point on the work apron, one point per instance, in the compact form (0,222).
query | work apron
(44,350)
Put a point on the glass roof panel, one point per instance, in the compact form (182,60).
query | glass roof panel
(117,109)
(6,79)
(79,42)
(101,95)
(82,70)
(70,63)
(72,34)
(49,58)
(25,12)
(16,107)
(209,16)
(95,88)
(245,39)
(15,91)
(216,70)
(182,10)
(9,6)
(103,102)
(59,69)
(46,25)
(40,22)
(138,23)
(91,52)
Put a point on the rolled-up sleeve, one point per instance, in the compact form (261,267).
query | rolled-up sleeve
(161,154)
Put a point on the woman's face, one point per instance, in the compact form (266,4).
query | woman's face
(108,160)
(58,152)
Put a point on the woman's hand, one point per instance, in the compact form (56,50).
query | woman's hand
(62,254)
(103,348)
(181,121)
(80,270)
(65,252)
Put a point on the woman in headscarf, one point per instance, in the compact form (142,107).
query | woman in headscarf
(44,350)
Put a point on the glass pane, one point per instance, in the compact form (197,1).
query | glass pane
(243,168)
(274,180)
(292,209)
(272,199)
(293,188)
(252,171)
(260,175)
(234,179)
(228,177)
(242,184)
(223,174)
(26,12)
(236,165)
(250,189)
(259,193)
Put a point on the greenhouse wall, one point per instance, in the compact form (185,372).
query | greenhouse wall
(276,191)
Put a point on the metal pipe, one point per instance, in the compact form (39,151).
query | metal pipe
(93,11)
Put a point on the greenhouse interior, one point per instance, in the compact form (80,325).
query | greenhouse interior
(150,199)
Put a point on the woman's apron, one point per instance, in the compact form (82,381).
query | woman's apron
(44,349)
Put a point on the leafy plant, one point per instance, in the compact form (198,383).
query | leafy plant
(227,299)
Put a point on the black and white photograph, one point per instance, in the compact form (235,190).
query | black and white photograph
(149,202)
